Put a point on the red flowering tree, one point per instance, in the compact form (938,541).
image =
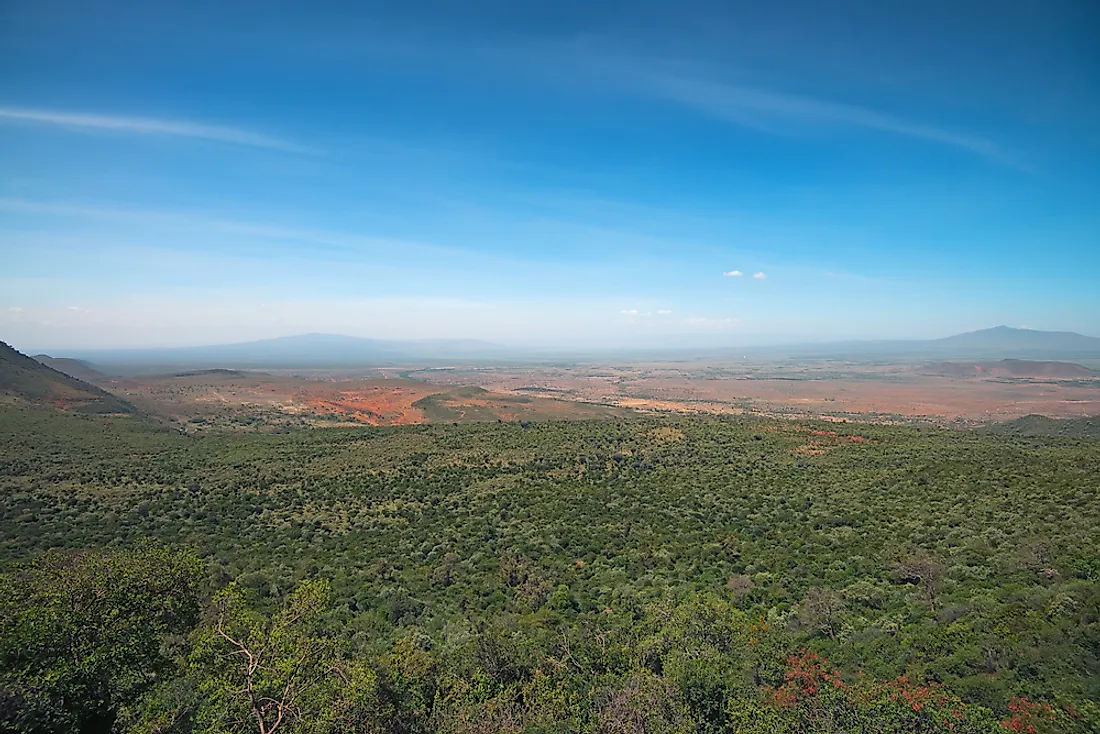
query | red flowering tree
(815,698)
(1028,716)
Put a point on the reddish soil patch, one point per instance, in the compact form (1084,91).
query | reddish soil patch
(374,402)
(369,403)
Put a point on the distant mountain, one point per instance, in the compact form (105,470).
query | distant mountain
(1000,342)
(77,368)
(305,350)
(28,379)
(1007,339)
(1011,368)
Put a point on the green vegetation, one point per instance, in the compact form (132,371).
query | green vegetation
(1040,425)
(82,633)
(697,574)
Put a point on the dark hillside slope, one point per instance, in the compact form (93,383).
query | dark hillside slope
(22,377)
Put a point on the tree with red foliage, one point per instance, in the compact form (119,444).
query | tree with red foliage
(815,698)
(1027,715)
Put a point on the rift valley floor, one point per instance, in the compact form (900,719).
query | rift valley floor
(957,393)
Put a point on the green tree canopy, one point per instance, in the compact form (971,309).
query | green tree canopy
(83,633)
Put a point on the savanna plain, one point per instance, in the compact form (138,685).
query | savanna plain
(723,545)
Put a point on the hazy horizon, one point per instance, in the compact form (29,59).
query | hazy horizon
(531,347)
(568,175)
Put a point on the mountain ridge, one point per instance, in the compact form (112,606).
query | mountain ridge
(332,350)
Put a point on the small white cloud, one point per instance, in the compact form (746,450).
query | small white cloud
(77,309)
(759,276)
(713,323)
(15,309)
(629,312)
(733,274)
(663,312)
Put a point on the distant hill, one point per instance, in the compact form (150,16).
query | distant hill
(305,350)
(1011,368)
(1040,425)
(77,368)
(28,379)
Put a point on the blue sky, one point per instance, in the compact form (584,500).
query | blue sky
(546,172)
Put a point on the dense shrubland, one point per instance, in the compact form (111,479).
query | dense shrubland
(684,574)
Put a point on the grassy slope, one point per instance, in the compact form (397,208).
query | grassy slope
(24,378)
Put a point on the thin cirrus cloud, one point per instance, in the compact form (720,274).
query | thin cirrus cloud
(332,240)
(149,126)
(733,274)
(759,276)
(769,111)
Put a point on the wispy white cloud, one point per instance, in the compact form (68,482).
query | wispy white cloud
(150,126)
(663,312)
(733,274)
(770,111)
(15,309)
(331,239)
(760,276)
(629,312)
(76,309)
